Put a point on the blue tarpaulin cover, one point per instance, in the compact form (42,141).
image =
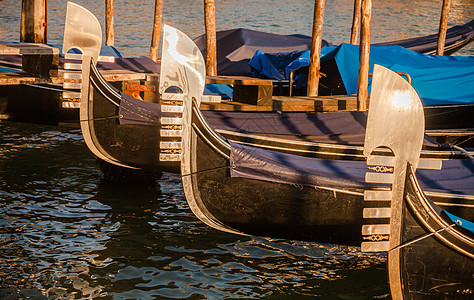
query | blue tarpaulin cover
(455,177)
(438,80)
(235,47)
(461,222)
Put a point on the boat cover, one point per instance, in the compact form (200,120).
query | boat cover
(235,47)
(345,127)
(438,80)
(137,112)
(461,222)
(429,43)
(128,64)
(456,176)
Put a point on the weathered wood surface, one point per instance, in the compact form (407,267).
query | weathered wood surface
(289,104)
(155,38)
(109,22)
(27,48)
(33,26)
(443,27)
(364,53)
(210,24)
(317,37)
(238,80)
(37,59)
(109,75)
(18,78)
(247,90)
(355,22)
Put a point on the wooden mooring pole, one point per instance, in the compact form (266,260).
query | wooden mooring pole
(109,22)
(364,54)
(155,39)
(355,22)
(443,26)
(33,28)
(210,23)
(317,37)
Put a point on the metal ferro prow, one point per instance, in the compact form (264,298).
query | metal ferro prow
(82,31)
(396,121)
(182,67)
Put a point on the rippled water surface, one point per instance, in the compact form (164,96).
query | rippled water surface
(66,233)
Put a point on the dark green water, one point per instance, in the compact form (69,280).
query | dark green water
(67,234)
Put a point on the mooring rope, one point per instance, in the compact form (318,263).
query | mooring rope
(204,171)
(420,238)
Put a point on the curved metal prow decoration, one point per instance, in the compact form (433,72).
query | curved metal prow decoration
(82,31)
(395,120)
(183,67)
(182,64)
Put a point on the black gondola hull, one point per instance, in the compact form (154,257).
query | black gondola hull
(271,209)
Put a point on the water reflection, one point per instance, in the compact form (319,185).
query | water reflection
(66,234)
(391,19)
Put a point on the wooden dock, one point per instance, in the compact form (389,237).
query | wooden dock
(290,104)
(254,94)
(40,66)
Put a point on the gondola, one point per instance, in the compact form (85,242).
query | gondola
(430,250)
(247,190)
(235,47)
(45,103)
(49,101)
(125,131)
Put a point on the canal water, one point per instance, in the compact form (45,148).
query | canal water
(65,233)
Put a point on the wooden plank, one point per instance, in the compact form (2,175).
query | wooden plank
(20,78)
(27,48)
(16,79)
(253,94)
(37,59)
(238,80)
(323,103)
(233,106)
(288,104)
